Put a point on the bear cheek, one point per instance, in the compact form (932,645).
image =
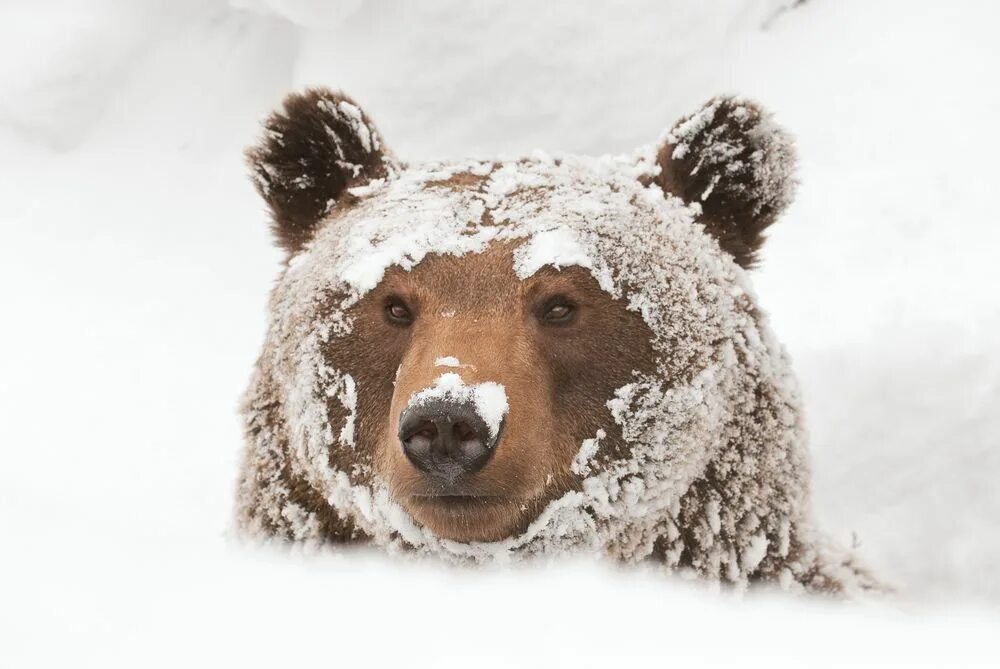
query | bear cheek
(528,456)
(390,461)
(611,349)
(370,354)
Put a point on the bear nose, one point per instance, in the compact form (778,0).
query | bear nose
(446,438)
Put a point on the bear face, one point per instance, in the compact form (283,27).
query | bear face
(489,359)
(555,345)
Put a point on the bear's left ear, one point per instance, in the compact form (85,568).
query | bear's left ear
(313,149)
(730,158)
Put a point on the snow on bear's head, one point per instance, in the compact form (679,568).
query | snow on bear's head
(487,359)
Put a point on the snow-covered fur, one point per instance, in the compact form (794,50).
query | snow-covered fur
(715,477)
(736,164)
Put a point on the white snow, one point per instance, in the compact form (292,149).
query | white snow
(359,125)
(755,552)
(135,264)
(558,247)
(349,398)
(488,397)
(588,449)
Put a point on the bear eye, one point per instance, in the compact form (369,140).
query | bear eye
(558,311)
(397,312)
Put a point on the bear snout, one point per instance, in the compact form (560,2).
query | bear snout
(447,438)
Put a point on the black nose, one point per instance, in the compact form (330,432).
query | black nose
(446,438)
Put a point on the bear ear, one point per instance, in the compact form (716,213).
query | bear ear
(312,150)
(730,158)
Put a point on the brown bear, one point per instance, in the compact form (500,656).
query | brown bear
(489,359)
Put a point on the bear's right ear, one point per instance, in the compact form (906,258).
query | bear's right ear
(731,159)
(312,150)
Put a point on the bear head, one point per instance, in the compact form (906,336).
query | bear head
(494,358)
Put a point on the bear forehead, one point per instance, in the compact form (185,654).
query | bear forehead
(568,188)
(592,212)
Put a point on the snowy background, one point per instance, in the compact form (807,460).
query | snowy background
(135,262)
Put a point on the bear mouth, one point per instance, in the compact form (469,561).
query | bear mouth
(472,518)
(457,500)
(460,507)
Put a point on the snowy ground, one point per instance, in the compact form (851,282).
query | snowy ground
(135,261)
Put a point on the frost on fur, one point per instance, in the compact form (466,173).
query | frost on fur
(311,152)
(737,165)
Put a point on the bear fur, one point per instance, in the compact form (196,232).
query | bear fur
(688,447)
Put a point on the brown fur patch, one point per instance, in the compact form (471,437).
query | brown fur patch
(460,181)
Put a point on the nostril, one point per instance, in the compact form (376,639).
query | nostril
(423,431)
(426,430)
(418,439)
(464,432)
(469,442)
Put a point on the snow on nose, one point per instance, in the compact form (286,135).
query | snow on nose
(451,361)
(488,398)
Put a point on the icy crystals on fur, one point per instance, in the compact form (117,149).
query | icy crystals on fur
(488,397)
(715,479)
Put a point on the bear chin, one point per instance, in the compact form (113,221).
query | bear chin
(469,518)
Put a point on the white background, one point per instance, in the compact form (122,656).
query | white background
(135,263)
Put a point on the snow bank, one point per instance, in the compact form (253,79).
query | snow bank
(266,607)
